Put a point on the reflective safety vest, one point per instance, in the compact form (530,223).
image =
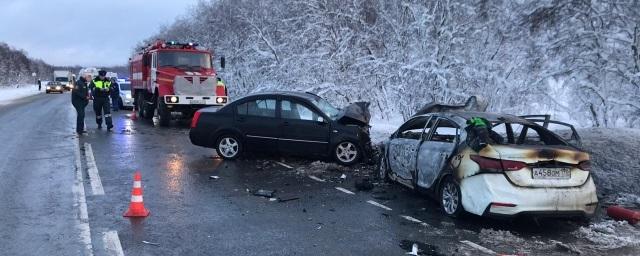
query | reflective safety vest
(102,85)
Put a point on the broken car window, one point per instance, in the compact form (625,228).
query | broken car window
(445,131)
(524,134)
(413,128)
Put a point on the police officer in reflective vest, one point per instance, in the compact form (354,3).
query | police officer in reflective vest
(100,87)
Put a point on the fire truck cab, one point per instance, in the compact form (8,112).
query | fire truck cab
(170,78)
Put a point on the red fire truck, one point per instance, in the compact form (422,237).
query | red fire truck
(173,78)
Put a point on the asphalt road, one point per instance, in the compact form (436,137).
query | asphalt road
(43,195)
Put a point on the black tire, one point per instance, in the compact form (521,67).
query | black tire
(164,116)
(383,168)
(226,145)
(140,104)
(346,153)
(450,198)
(149,110)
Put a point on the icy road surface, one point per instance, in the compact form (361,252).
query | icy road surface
(201,205)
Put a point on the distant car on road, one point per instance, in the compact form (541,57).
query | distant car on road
(520,167)
(292,123)
(54,86)
(125,101)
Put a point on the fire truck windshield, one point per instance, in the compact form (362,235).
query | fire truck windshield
(185,60)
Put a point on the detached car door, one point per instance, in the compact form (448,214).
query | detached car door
(305,131)
(403,148)
(434,152)
(256,118)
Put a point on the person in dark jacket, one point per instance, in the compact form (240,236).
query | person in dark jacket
(115,94)
(100,87)
(39,85)
(80,100)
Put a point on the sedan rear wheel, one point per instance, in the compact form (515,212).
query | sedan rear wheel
(450,198)
(228,147)
(346,153)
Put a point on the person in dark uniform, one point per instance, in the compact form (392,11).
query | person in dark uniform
(115,94)
(80,100)
(100,87)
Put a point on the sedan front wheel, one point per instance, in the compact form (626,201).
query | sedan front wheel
(346,153)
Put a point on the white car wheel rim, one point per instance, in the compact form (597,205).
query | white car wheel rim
(450,198)
(346,152)
(228,147)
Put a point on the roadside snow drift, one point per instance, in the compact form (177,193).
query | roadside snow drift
(10,93)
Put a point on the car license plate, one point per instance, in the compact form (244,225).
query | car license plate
(200,102)
(551,173)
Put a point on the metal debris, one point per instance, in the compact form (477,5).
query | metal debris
(150,243)
(264,193)
(213,177)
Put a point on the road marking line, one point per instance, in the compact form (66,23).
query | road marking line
(82,220)
(345,190)
(92,169)
(112,243)
(412,219)
(379,205)
(316,178)
(478,247)
(285,165)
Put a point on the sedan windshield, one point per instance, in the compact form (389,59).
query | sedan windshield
(125,86)
(184,59)
(326,107)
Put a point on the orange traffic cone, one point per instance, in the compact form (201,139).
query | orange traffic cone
(133,114)
(136,207)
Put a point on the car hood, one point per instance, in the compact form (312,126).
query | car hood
(356,113)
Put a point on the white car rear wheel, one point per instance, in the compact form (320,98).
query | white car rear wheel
(450,198)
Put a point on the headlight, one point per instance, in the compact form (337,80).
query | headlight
(48,87)
(221,100)
(57,87)
(173,99)
(128,95)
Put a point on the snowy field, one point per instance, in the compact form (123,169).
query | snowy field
(11,93)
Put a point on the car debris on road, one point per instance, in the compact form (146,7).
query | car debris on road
(264,193)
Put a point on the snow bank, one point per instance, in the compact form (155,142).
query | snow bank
(610,234)
(381,128)
(614,158)
(10,93)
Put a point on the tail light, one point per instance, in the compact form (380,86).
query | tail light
(195,119)
(585,166)
(491,164)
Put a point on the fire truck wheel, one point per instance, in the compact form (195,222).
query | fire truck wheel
(163,113)
(140,105)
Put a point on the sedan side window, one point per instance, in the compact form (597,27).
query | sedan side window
(296,111)
(445,131)
(413,128)
(259,107)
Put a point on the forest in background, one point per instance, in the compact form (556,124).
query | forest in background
(577,60)
(16,67)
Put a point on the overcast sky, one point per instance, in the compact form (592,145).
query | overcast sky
(84,32)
